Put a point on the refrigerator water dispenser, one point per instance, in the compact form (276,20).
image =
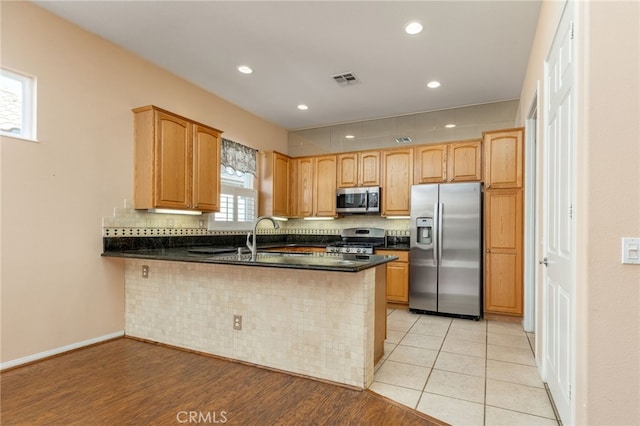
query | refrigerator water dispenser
(424,226)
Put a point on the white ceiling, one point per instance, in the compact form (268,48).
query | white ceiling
(478,50)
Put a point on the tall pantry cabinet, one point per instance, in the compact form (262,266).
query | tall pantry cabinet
(504,222)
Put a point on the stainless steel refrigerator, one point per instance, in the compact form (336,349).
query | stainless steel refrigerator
(445,258)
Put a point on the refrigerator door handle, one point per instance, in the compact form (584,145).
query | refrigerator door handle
(440,208)
(436,240)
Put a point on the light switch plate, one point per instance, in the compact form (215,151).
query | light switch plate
(631,251)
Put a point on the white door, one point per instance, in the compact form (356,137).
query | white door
(558,224)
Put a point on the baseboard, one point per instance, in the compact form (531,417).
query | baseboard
(506,318)
(57,351)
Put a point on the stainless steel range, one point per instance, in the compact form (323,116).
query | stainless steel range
(358,240)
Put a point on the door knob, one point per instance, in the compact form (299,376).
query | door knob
(544,261)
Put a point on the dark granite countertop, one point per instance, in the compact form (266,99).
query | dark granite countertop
(296,260)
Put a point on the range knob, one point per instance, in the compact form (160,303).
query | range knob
(347,250)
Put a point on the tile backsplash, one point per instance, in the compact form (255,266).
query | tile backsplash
(128,222)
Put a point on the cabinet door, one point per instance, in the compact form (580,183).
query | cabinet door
(397,177)
(206,169)
(324,194)
(304,186)
(275,183)
(369,168)
(397,276)
(503,251)
(347,174)
(397,282)
(281,202)
(503,159)
(430,164)
(465,161)
(172,162)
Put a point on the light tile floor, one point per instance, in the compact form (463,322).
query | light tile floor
(463,372)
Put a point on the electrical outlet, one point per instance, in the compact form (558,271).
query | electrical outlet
(145,271)
(201,223)
(169,223)
(237,322)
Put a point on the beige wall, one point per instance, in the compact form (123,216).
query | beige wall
(423,128)
(607,296)
(56,289)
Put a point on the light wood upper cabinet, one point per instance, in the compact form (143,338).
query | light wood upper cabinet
(275,178)
(177,162)
(324,190)
(347,170)
(206,168)
(465,161)
(430,164)
(503,230)
(315,186)
(304,186)
(397,177)
(369,168)
(503,158)
(450,162)
(358,169)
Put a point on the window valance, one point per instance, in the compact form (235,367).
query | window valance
(237,158)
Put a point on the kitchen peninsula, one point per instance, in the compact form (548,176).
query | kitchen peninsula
(317,315)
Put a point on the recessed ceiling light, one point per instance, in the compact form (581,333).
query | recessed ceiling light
(450,126)
(303,107)
(244,69)
(413,28)
(349,137)
(433,84)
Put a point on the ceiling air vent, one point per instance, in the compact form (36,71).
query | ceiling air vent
(403,139)
(346,79)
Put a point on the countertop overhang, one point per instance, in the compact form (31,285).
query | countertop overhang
(271,258)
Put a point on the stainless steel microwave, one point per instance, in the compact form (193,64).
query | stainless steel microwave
(358,200)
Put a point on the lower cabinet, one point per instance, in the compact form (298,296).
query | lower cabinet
(503,230)
(397,276)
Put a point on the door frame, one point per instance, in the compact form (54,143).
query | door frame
(531,208)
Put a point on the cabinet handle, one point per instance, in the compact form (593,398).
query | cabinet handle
(488,251)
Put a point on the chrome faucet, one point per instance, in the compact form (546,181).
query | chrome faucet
(251,242)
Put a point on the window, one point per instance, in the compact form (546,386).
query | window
(238,201)
(17,105)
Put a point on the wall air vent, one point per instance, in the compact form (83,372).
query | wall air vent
(403,139)
(346,79)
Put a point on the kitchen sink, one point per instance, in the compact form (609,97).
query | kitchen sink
(296,258)
(212,250)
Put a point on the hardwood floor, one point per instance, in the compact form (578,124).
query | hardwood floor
(125,381)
